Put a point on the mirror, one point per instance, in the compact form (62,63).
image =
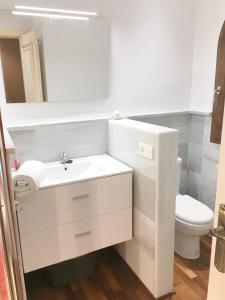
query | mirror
(53,59)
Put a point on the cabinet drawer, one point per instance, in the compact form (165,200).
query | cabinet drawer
(56,206)
(54,245)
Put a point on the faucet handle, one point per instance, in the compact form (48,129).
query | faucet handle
(62,155)
(64,158)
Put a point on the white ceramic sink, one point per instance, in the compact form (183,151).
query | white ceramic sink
(74,170)
(82,169)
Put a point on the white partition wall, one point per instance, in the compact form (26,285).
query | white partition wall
(151,151)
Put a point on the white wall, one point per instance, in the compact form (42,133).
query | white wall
(210,16)
(151,59)
(153,56)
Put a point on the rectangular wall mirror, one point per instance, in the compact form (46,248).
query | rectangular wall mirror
(53,59)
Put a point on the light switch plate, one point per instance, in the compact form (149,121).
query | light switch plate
(146,150)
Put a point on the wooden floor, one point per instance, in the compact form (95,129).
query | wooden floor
(114,280)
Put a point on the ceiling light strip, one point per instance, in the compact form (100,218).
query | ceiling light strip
(53,16)
(54,10)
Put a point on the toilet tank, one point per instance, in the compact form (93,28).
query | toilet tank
(179,164)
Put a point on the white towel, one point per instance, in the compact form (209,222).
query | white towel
(27,179)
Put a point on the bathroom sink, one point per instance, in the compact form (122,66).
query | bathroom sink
(82,169)
(61,172)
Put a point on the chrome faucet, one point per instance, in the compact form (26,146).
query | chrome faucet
(63,158)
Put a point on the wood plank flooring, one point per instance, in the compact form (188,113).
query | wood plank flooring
(114,280)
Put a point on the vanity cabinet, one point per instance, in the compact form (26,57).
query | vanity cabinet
(64,222)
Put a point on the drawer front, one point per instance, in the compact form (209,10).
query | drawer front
(54,245)
(72,202)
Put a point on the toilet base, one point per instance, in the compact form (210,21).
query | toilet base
(187,246)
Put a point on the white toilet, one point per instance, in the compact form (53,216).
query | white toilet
(193,219)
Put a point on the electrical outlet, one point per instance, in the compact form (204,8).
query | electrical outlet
(146,150)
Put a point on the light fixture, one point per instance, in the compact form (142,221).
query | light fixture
(53,16)
(54,10)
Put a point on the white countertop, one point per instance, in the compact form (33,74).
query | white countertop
(82,169)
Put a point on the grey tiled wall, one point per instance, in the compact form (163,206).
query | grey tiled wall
(203,158)
(76,139)
(200,157)
(181,122)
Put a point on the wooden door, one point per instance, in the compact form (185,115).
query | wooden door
(216,289)
(219,93)
(29,49)
(12,70)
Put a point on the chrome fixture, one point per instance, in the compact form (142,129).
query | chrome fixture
(219,234)
(64,159)
(218,90)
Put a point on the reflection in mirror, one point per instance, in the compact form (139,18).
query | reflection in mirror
(20,68)
(11,71)
(53,59)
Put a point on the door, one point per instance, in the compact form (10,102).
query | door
(12,70)
(13,287)
(219,96)
(29,48)
(216,289)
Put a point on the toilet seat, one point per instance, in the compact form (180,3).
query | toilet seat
(192,211)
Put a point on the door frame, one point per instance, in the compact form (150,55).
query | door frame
(11,242)
(12,33)
(15,33)
(216,279)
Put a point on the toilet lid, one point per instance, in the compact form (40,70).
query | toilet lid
(192,211)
